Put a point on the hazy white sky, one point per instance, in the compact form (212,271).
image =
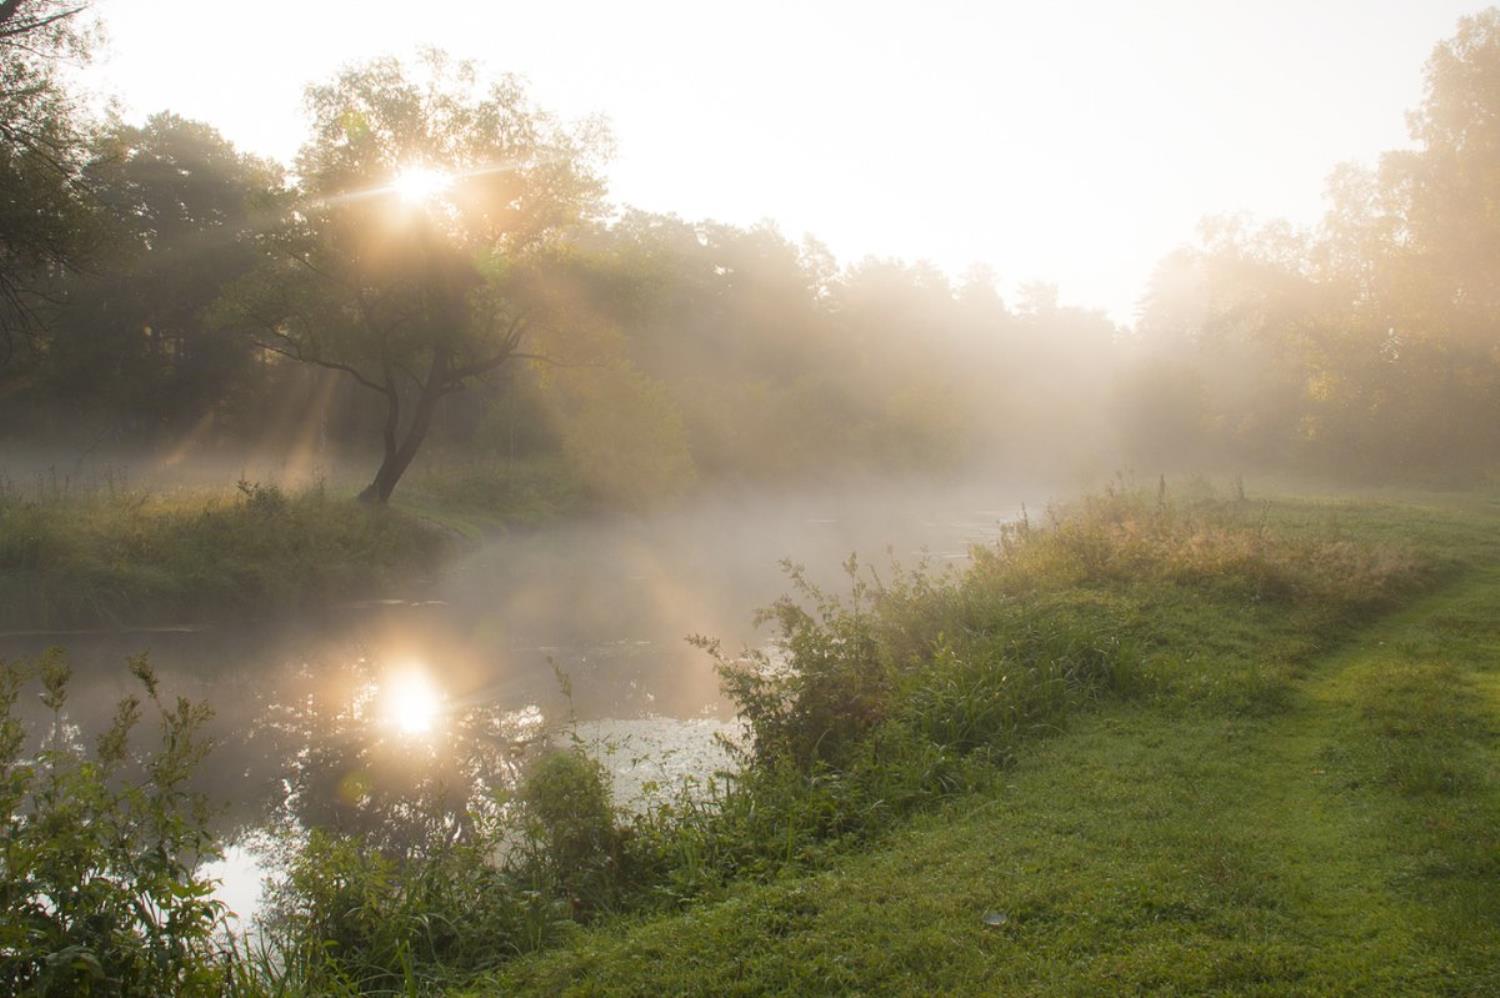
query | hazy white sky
(1075,142)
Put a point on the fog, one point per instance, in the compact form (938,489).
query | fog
(425,449)
(609,598)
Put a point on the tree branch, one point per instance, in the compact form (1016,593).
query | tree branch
(554,362)
(9,9)
(508,344)
(290,348)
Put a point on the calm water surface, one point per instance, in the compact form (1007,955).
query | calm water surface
(605,603)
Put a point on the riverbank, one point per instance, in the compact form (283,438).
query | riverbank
(1144,741)
(107,554)
(1304,798)
(108,558)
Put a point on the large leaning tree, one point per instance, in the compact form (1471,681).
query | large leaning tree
(413,254)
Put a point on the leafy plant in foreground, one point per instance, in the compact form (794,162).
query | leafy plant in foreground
(99,850)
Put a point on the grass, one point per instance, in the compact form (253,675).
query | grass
(1172,746)
(1299,794)
(475,497)
(138,558)
(113,555)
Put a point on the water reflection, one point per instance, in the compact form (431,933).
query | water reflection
(412,702)
(357,747)
(383,715)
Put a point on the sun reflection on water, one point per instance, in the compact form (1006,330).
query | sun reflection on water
(413,703)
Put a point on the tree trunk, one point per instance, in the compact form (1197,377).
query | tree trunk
(398,457)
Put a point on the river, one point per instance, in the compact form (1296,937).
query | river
(601,605)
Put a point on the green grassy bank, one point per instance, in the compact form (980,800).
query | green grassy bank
(1293,789)
(114,555)
(137,558)
(1146,743)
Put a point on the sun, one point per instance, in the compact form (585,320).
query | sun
(412,703)
(420,184)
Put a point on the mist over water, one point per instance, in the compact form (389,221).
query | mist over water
(606,601)
(425,546)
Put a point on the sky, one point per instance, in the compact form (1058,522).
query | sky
(1072,142)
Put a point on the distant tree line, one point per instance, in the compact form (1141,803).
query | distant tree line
(1370,344)
(160,289)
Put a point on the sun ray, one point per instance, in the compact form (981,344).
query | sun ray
(415,178)
(420,184)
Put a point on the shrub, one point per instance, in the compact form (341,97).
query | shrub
(912,688)
(348,918)
(443,887)
(871,705)
(569,822)
(99,850)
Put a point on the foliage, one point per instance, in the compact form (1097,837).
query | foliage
(911,691)
(44,218)
(1366,345)
(569,818)
(1127,537)
(1022,616)
(913,688)
(417,299)
(693,351)
(350,919)
(625,437)
(177,206)
(100,893)
(352,915)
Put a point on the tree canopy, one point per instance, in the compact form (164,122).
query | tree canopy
(416,291)
(441,245)
(43,215)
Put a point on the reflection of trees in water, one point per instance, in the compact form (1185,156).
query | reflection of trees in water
(332,759)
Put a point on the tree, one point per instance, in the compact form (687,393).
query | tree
(413,255)
(42,214)
(181,205)
(1415,243)
(1230,334)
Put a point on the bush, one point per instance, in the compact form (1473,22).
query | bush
(913,688)
(100,893)
(569,824)
(443,887)
(908,690)
(350,919)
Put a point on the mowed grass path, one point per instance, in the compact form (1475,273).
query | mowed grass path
(1349,844)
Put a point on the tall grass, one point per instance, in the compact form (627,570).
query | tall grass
(915,686)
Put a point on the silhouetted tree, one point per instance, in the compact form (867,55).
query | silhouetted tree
(43,219)
(181,207)
(415,298)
